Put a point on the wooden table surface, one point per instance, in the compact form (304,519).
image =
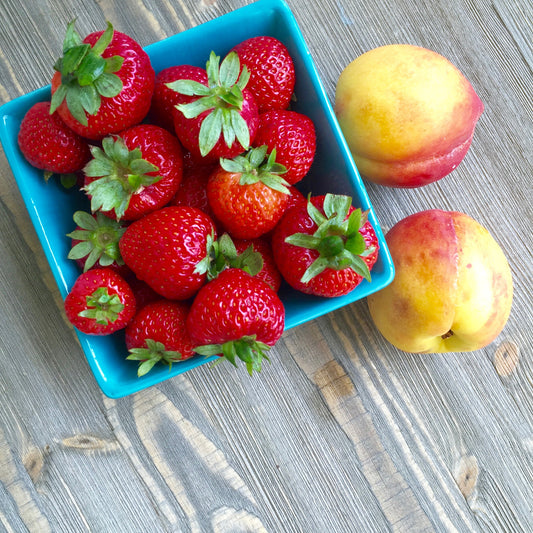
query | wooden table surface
(342,432)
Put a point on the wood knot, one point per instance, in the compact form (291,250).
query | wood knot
(466,474)
(506,358)
(34,462)
(90,443)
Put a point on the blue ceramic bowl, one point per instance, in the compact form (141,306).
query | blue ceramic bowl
(51,207)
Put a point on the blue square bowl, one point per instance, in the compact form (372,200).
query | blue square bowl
(51,207)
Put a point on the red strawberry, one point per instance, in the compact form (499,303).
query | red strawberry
(193,188)
(100,302)
(248,194)
(135,172)
(164,249)
(103,84)
(165,100)
(157,333)
(221,121)
(293,136)
(269,272)
(325,248)
(49,144)
(271,68)
(95,242)
(144,294)
(236,316)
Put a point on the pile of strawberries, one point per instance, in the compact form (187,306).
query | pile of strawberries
(195,220)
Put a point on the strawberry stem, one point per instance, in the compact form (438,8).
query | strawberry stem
(337,238)
(102,306)
(248,349)
(120,174)
(222,97)
(85,75)
(153,353)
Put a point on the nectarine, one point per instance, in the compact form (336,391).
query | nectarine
(407,113)
(452,290)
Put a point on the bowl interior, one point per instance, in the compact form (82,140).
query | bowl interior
(51,207)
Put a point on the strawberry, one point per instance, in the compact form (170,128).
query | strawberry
(157,333)
(100,302)
(135,172)
(49,144)
(236,316)
(144,294)
(248,194)
(222,119)
(269,272)
(103,84)
(164,249)
(95,241)
(325,248)
(293,136)
(271,68)
(165,100)
(193,188)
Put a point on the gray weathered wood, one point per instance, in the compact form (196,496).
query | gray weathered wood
(342,432)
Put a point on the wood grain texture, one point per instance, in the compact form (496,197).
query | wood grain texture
(342,432)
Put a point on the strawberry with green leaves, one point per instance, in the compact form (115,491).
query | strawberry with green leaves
(293,136)
(100,302)
(167,248)
(222,117)
(135,172)
(272,74)
(325,248)
(95,242)
(103,84)
(49,144)
(236,316)
(165,99)
(248,194)
(157,334)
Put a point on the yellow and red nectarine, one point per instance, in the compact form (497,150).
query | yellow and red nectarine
(452,290)
(407,113)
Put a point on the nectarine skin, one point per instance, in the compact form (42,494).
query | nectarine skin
(453,287)
(407,113)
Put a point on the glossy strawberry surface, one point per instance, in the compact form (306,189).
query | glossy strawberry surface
(293,136)
(164,247)
(49,144)
(100,314)
(158,333)
(246,211)
(235,305)
(272,75)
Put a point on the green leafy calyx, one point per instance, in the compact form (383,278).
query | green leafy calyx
(223,254)
(222,97)
(154,353)
(102,306)
(254,166)
(120,174)
(248,349)
(85,75)
(337,239)
(99,237)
